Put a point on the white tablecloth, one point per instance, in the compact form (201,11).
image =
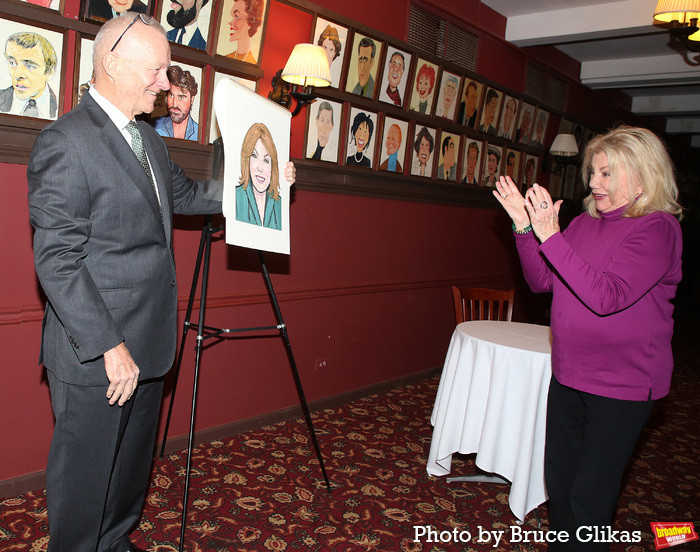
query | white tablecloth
(492,400)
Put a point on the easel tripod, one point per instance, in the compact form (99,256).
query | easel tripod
(206,332)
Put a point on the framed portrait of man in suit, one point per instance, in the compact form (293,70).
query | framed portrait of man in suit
(186,22)
(529,171)
(471,162)
(493,161)
(241,29)
(524,127)
(506,127)
(468,114)
(104,10)
(363,65)
(490,111)
(396,66)
(393,146)
(31,81)
(323,130)
(448,154)
(333,38)
(512,164)
(214,131)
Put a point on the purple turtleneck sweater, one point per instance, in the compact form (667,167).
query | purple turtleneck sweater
(612,281)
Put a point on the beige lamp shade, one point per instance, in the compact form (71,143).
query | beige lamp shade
(677,10)
(564,145)
(307,66)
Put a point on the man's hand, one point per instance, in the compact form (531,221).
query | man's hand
(290,172)
(123,374)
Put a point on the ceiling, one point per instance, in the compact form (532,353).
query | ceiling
(618,47)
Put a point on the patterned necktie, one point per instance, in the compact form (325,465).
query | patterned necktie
(31,110)
(137,146)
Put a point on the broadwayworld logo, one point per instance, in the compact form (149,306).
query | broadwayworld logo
(671,534)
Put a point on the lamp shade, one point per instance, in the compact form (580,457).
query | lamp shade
(677,10)
(564,145)
(307,66)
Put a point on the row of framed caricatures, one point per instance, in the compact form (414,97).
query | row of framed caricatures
(415,84)
(354,136)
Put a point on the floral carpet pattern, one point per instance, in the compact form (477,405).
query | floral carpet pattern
(264,490)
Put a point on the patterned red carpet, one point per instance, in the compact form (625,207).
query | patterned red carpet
(264,490)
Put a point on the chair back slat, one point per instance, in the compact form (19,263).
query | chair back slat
(482,304)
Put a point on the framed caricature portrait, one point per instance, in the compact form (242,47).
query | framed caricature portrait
(471,162)
(241,29)
(423,149)
(214,131)
(104,10)
(489,114)
(30,82)
(189,25)
(393,88)
(540,129)
(493,160)
(56,5)
(468,114)
(333,37)
(529,172)
(322,137)
(362,129)
(84,71)
(363,65)
(506,128)
(569,182)
(447,96)
(423,87)
(512,164)
(448,152)
(524,127)
(393,147)
(181,113)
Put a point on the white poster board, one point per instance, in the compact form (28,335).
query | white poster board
(256,135)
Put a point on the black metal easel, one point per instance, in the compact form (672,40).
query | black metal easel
(206,332)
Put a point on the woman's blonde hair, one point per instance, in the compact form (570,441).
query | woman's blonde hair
(259,132)
(643,157)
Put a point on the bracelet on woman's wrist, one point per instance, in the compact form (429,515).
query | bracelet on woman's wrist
(525,230)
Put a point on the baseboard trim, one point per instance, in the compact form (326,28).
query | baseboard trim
(34,481)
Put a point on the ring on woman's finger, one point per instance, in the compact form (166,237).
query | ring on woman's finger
(544,205)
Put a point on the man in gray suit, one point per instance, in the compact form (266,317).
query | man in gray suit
(102,192)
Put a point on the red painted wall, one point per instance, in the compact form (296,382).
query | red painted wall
(366,285)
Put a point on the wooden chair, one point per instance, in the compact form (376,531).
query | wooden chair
(482,304)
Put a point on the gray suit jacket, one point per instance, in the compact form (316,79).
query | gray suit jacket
(102,253)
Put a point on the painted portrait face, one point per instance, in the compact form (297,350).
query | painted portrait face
(539,128)
(490,112)
(183,12)
(239,22)
(470,100)
(362,136)
(324,126)
(510,166)
(492,163)
(179,102)
(393,140)
(525,122)
(396,69)
(423,87)
(329,46)
(472,157)
(449,157)
(509,114)
(365,61)
(120,6)
(260,167)
(424,151)
(448,96)
(27,70)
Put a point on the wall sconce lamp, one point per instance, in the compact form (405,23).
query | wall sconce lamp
(306,69)
(680,17)
(563,148)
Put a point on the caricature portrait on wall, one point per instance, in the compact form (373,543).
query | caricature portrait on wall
(393,88)
(363,65)
(529,172)
(333,38)
(512,164)
(360,140)
(423,146)
(393,146)
(84,73)
(525,119)
(493,158)
(186,22)
(104,10)
(31,79)
(506,128)
(324,124)
(447,156)
(468,114)
(51,4)
(181,116)
(241,29)
(214,131)
(256,137)
(540,128)
(471,163)
(423,88)
(489,113)
(447,97)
